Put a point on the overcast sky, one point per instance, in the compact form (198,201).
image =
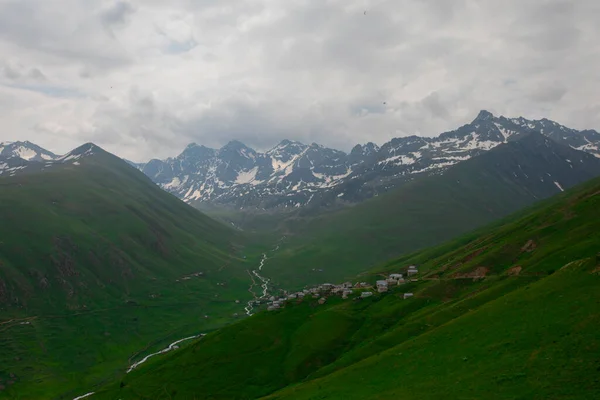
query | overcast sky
(143,78)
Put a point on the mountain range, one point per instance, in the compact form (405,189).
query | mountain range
(292,174)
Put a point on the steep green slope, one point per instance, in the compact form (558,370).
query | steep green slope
(509,312)
(96,265)
(428,211)
(540,342)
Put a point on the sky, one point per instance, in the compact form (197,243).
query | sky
(144,78)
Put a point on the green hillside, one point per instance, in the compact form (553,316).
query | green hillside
(429,211)
(511,312)
(96,265)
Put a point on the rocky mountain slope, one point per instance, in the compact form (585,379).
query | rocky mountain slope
(293,174)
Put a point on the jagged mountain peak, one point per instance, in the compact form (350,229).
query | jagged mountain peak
(235,145)
(292,174)
(287,144)
(194,150)
(484,115)
(364,149)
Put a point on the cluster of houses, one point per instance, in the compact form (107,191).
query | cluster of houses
(395,279)
(344,290)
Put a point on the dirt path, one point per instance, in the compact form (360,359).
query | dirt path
(172,346)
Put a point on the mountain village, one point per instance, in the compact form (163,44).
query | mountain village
(346,290)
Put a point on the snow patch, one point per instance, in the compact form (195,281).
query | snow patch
(403,159)
(434,167)
(246,176)
(174,184)
(25,153)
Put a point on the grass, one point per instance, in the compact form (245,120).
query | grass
(525,330)
(93,256)
(537,342)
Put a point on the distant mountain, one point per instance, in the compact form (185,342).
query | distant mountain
(26,157)
(428,211)
(26,151)
(293,174)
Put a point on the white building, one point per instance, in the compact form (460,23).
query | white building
(382,286)
(366,294)
(412,270)
(407,295)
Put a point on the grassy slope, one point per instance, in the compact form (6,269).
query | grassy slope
(429,211)
(539,342)
(90,256)
(505,336)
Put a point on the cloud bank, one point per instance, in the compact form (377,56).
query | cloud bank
(145,78)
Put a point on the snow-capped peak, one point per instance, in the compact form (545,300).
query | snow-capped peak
(25,150)
(291,173)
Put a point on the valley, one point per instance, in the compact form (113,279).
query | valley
(494,314)
(111,287)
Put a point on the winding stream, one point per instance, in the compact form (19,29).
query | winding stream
(264,285)
(249,308)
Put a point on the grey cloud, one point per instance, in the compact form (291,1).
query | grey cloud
(10,72)
(434,105)
(144,78)
(15,71)
(548,93)
(46,28)
(117,13)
